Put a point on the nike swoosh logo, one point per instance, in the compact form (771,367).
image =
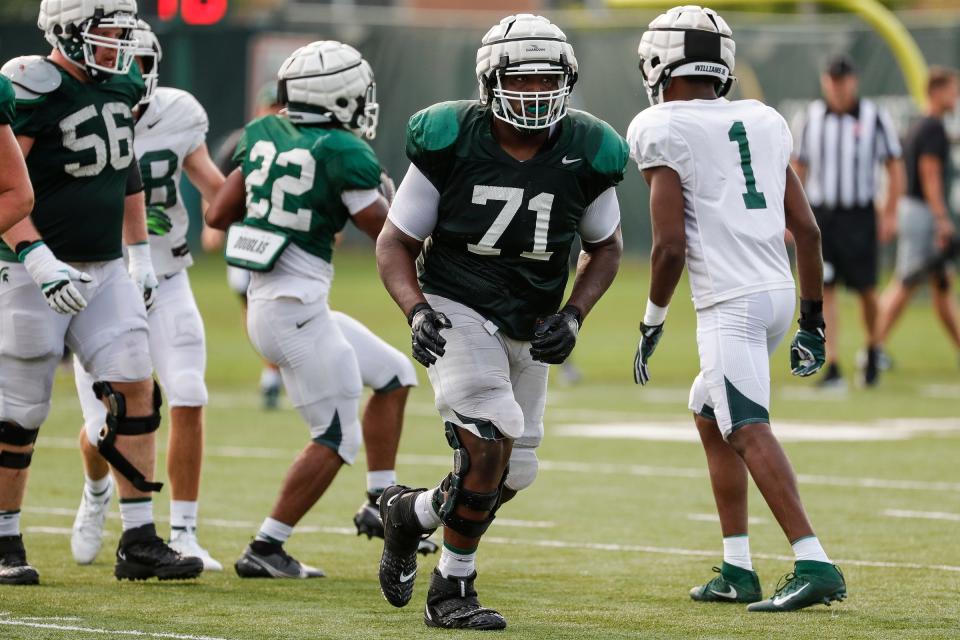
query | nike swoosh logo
(732,593)
(151,126)
(566,160)
(300,325)
(390,504)
(779,601)
(406,577)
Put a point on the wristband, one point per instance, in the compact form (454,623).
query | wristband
(811,315)
(417,308)
(655,314)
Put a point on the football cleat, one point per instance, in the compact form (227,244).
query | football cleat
(86,539)
(184,542)
(452,604)
(733,584)
(832,379)
(810,583)
(368,522)
(13,562)
(141,554)
(401,540)
(268,560)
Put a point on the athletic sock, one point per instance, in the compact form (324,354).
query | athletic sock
(809,548)
(274,531)
(269,378)
(10,523)
(183,515)
(427,516)
(736,551)
(96,488)
(377,481)
(457,562)
(136,512)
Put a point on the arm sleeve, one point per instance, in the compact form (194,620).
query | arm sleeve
(414,209)
(134,179)
(601,217)
(800,127)
(654,144)
(359,199)
(888,144)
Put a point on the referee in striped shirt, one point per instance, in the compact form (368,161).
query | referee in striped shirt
(843,138)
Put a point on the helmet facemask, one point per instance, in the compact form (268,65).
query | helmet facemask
(538,109)
(79,44)
(367,115)
(148,54)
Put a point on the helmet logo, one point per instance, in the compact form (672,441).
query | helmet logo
(535,48)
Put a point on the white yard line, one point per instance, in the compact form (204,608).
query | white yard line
(921,515)
(712,517)
(108,632)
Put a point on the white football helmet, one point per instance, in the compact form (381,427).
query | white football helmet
(686,41)
(66,24)
(149,53)
(328,81)
(526,44)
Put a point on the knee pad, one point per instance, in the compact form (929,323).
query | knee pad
(119,423)
(15,435)
(523,468)
(187,389)
(456,494)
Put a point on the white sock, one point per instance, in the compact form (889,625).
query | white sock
(428,518)
(96,488)
(456,564)
(809,548)
(274,531)
(10,523)
(136,512)
(377,481)
(736,551)
(183,514)
(269,377)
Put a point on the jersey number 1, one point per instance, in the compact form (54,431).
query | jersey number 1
(752,199)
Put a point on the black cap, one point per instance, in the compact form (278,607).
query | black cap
(840,65)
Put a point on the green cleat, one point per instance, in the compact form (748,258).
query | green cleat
(810,583)
(732,585)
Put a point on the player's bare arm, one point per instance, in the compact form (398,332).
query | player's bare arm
(203,172)
(930,169)
(396,262)
(228,206)
(16,192)
(596,268)
(370,219)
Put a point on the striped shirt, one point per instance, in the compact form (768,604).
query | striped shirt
(841,152)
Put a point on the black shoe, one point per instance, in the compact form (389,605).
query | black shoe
(832,379)
(367,521)
(141,554)
(13,562)
(268,560)
(401,540)
(871,368)
(452,604)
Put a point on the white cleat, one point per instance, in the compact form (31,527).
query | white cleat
(87,536)
(184,542)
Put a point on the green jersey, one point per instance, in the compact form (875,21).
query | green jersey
(295,175)
(8,109)
(504,228)
(82,150)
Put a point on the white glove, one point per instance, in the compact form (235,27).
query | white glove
(55,279)
(141,270)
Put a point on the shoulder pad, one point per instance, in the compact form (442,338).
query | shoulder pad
(609,153)
(438,126)
(32,76)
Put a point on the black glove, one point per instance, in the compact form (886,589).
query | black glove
(425,324)
(555,336)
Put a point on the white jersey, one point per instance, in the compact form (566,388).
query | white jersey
(173,126)
(732,161)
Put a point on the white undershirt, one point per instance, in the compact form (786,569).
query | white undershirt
(357,200)
(414,210)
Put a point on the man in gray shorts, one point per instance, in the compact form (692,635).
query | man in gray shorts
(927,235)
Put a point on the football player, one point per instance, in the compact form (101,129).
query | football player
(16,192)
(304,173)
(722,193)
(169,138)
(475,255)
(67,280)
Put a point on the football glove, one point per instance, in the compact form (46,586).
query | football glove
(55,279)
(425,325)
(649,338)
(808,348)
(556,336)
(158,222)
(386,187)
(141,270)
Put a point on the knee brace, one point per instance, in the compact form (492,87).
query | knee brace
(119,423)
(13,434)
(456,494)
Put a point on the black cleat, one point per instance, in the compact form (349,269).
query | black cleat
(268,560)
(452,604)
(367,521)
(141,554)
(13,562)
(402,534)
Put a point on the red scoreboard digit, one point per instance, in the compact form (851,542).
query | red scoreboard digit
(199,12)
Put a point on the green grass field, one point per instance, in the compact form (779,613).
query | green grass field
(604,545)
